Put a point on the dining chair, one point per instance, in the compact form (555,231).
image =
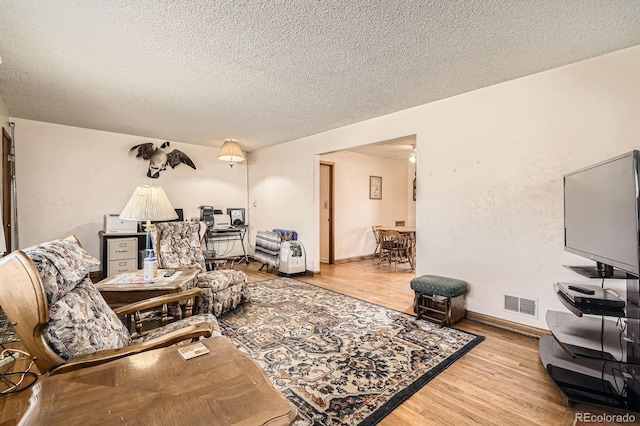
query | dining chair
(377,251)
(394,246)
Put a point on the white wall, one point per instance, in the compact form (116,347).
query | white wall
(354,212)
(490,166)
(278,198)
(4,115)
(68,178)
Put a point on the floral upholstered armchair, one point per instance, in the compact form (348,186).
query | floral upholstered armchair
(63,320)
(179,245)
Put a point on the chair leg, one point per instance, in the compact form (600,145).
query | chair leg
(376,251)
(384,254)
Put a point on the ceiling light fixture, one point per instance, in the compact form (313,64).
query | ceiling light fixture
(231,152)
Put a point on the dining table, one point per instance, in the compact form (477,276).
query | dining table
(410,231)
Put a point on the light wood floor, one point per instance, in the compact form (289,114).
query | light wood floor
(499,382)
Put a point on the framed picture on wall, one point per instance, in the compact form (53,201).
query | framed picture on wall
(375,187)
(237,216)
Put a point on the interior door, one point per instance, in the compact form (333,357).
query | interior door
(326,213)
(6,187)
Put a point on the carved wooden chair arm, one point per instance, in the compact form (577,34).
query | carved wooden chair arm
(188,333)
(161,302)
(157,301)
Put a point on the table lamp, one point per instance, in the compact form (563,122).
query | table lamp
(148,203)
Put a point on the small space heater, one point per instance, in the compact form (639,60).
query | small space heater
(292,258)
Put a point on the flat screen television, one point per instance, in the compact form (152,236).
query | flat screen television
(601,214)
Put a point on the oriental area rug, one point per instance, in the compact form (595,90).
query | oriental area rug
(7,333)
(340,360)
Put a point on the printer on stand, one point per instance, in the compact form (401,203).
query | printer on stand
(222,221)
(114,225)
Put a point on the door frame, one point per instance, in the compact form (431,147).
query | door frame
(7,199)
(331,166)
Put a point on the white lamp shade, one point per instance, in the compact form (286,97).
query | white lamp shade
(231,152)
(148,202)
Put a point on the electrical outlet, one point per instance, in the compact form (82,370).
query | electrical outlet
(6,358)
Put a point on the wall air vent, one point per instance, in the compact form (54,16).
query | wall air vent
(520,305)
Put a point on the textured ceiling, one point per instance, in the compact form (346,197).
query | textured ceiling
(265,71)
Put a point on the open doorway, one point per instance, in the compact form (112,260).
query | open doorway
(326,212)
(352,204)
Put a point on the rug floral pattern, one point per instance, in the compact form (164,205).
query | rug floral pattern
(340,360)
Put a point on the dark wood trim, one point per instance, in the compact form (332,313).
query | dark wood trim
(352,259)
(331,166)
(7,205)
(95,276)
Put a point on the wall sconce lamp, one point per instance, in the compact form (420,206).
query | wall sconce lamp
(412,157)
(231,152)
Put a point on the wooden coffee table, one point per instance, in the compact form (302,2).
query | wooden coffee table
(121,294)
(223,387)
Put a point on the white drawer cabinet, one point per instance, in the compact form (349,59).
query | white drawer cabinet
(122,255)
(122,248)
(116,267)
(121,252)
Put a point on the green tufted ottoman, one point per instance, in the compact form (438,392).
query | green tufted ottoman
(439,299)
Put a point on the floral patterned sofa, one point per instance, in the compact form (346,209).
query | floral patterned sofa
(179,245)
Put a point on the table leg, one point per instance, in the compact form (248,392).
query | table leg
(246,258)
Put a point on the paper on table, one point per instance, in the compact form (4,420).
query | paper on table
(138,278)
(192,351)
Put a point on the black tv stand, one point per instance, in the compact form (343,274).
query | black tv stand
(593,272)
(593,352)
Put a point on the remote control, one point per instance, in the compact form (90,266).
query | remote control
(581,289)
(169,273)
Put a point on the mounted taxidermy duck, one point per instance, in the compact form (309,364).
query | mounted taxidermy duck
(159,158)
